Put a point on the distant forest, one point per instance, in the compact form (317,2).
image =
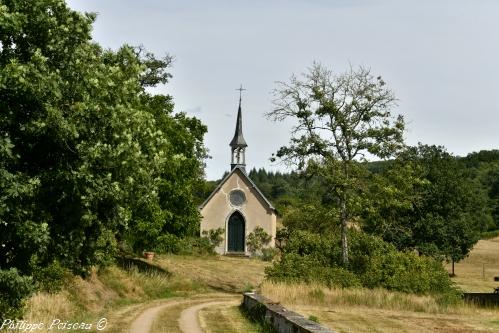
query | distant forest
(293,189)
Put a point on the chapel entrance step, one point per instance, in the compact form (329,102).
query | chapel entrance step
(237,254)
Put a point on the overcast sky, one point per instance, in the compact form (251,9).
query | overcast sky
(441,58)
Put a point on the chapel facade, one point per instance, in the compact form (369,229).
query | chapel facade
(237,205)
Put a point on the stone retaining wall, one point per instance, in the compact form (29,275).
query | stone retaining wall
(487,299)
(282,320)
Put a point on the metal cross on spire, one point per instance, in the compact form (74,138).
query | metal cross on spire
(240,91)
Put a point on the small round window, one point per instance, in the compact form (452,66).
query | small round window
(237,197)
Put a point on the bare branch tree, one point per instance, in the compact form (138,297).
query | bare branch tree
(340,119)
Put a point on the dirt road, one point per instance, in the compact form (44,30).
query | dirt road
(188,321)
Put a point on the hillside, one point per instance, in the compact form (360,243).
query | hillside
(366,311)
(476,272)
(122,295)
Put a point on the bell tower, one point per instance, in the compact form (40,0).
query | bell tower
(238,144)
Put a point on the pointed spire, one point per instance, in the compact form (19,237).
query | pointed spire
(238,140)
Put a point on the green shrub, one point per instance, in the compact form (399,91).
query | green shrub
(200,245)
(257,315)
(324,248)
(215,236)
(313,318)
(407,272)
(107,247)
(256,240)
(169,243)
(449,298)
(310,217)
(307,268)
(337,277)
(489,234)
(317,294)
(268,254)
(51,278)
(14,289)
(292,268)
(373,263)
(248,288)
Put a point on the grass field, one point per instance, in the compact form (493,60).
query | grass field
(218,272)
(476,272)
(370,320)
(226,319)
(121,295)
(113,293)
(362,310)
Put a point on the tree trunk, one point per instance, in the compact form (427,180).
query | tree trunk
(453,268)
(344,216)
(344,239)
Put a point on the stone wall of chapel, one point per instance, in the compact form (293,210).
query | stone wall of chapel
(216,213)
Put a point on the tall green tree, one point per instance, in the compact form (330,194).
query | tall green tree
(484,168)
(92,157)
(427,201)
(339,120)
(393,197)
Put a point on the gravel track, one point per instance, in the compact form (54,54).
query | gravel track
(189,322)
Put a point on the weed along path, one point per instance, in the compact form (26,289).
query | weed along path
(178,315)
(143,323)
(217,288)
(189,318)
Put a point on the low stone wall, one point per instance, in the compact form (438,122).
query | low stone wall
(282,320)
(487,299)
(129,262)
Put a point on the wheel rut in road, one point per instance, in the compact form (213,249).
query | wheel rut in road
(188,321)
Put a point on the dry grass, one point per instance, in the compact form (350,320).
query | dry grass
(217,272)
(120,295)
(81,301)
(113,293)
(119,319)
(44,307)
(318,295)
(92,294)
(470,275)
(225,319)
(369,320)
(168,318)
(365,310)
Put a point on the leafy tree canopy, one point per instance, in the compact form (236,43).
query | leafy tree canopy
(427,201)
(484,169)
(339,119)
(88,156)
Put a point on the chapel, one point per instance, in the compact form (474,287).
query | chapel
(237,205)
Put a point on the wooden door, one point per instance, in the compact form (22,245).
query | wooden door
(236,233)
